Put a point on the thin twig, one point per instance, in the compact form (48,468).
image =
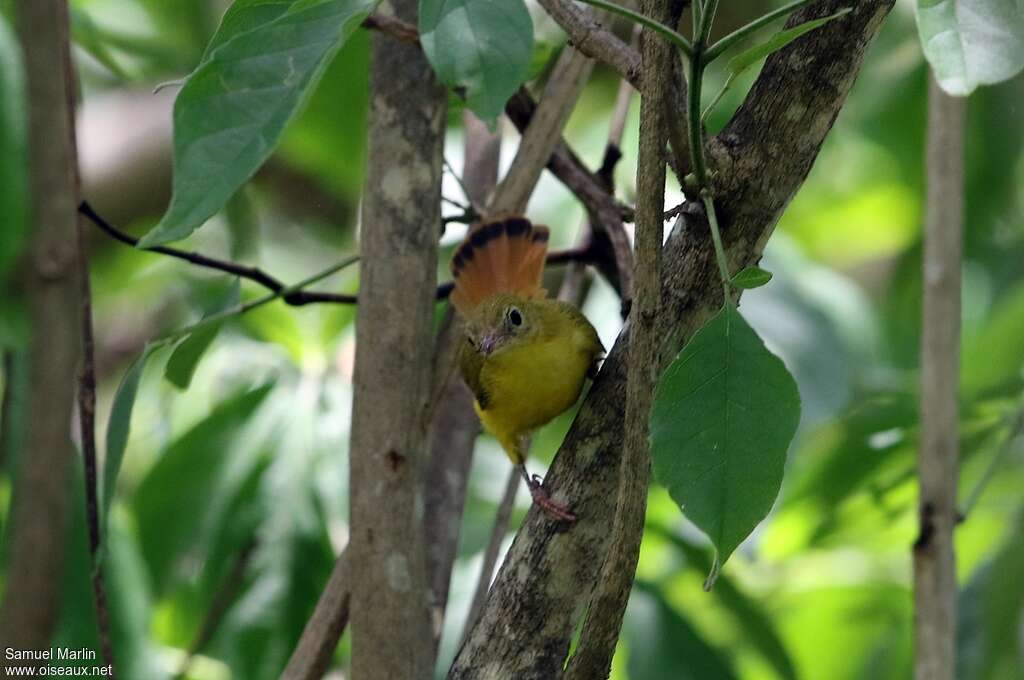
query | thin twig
(294,295)
(296,298)
(490,559)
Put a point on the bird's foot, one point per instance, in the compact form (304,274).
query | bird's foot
(543,500)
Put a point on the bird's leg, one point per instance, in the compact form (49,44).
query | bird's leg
(542,499)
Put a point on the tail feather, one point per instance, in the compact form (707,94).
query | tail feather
(501,256)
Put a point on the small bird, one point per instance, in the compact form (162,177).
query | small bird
(524,357)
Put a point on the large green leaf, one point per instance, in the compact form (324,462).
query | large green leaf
(747,612)
(971,42)
(232,110)
(481,46)
(724,414)
(12,151)
(180,501)
(991,614)
(662,644)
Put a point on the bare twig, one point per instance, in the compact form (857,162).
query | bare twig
(592,39)
(608,605)
(39,507)
(320,637)
(298,297)
(222,601)
(544,131)
(490,557)
(391,632)
(935,585)
(254,274)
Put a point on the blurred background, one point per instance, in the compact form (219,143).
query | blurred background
(232,502)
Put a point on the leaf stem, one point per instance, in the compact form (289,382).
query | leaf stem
(716,238)
(684,45)
(740,34)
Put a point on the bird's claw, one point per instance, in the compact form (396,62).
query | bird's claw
(543,500)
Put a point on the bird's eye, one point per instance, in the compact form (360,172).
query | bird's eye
(514,317)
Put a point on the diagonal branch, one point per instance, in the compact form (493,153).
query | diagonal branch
(549,573)
(601,628)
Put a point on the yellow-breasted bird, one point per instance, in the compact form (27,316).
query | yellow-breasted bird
(524,357)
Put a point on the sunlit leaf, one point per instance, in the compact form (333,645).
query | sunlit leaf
(724,414)
(233,108)
(971,42)
(748,613)
(479,46)
(662,644)
(991,612)
(750,277)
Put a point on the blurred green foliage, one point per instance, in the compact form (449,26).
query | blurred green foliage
(239,482)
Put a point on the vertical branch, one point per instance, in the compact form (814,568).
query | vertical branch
(934,562)
(454,425)
(391,635)
(607,606)
(40,504)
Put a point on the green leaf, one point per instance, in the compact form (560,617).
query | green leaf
(185,358)
(662,644)
(232,110)
(750,277)
(119,425)
(178,503)
(12,153)
(724,414)
(751,56)
(481,46)
(88,36)
(747,612)
(971,42)
(991,613)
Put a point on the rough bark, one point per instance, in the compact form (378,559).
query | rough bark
(36,533)
(603,622)
(934,560)
(391,635)
(762,156)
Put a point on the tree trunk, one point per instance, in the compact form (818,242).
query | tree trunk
(391,636)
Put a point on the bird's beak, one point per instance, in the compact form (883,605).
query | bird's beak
(490,342)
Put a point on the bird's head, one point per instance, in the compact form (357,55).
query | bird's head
(501,322)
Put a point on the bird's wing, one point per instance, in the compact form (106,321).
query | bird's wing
(470,364)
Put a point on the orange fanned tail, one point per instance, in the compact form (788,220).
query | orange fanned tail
(504,255)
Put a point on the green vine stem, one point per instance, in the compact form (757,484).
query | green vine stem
(703,18)
(675,38)
(740,34)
